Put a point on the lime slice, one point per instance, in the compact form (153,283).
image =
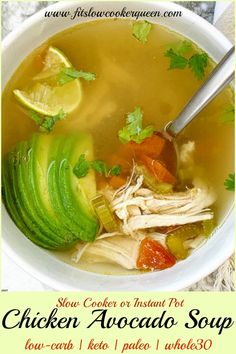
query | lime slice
(54,61)
(45,96)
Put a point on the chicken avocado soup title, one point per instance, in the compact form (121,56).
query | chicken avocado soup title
(101,315)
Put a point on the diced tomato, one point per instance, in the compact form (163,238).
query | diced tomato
(152,146)
(152,255)
(158,170)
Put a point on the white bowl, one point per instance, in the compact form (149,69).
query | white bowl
(42,265)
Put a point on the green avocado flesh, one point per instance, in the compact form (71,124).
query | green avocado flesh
(47,202)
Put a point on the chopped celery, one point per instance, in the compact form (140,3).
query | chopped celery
(151,182)
(208,226)
(176,246)
(104,213)
(175,240)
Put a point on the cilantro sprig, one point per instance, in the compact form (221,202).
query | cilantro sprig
(177,61)
(197,63)
(69,74)
(141,30)
(183,47)
(83,166)
(133,131)
(46,123)
(180,47)
(230,182)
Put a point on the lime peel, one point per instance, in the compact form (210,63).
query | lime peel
(49,100)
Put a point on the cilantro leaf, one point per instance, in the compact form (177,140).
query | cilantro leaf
(35,117)
(124,135)
(69,74)
(133,130)
(100,167)
(230,182)
(81,168)
(64,79)
(103,169)
(115,170)
(177,61)
(183,47)
(197,63)
(79,74)
(141,30)
(227,115)
(145,133)
(133,126)
(134,120)
(49,122)
(180,48)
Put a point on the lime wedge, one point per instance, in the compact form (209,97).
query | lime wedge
(46,96)
(54,61)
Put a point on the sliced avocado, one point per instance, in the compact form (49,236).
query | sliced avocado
(75,193)
(37,176)
(43,231)
(63,201)
(46,200)
(52,181)
(14,160)
(12,204)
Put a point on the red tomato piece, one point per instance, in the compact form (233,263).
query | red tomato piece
(152,255)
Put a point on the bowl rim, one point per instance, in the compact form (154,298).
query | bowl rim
(61,5)
(185,283)
(30,268)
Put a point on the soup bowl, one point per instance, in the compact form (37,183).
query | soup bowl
(43,265)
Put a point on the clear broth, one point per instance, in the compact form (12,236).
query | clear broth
(129,74)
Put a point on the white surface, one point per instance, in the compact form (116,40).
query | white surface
(14,278)
(220,7)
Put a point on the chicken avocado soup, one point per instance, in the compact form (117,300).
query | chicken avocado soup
(87,173)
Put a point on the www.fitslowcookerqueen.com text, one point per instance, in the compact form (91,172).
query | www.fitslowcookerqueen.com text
(123,13)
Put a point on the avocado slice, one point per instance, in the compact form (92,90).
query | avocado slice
(41,229)
(54,195)
(37,172)
(61,194)
(48,203)
(14,160)
(12,204)
(75,192)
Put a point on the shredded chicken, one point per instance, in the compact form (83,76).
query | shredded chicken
(155,220)
(157,210)
(139,210)
(116,249)
(82,247)
(133,210)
